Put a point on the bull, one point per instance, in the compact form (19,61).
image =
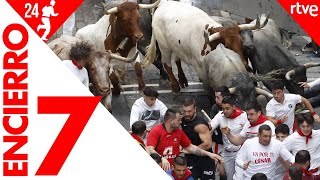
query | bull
(180,35)
(269,53)
(120,24)
(98,67)
(223,67)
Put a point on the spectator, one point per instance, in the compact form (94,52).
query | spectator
(166,139)
(197,130)
(250,129)
(302,161)
(220,93)
(179,169)
(148,108)
(282,132)
(139,132)
(234,119)
(280,109)
(305,139)
(259,176)
(312,92)
(79,55)
(260,154)
(295,173)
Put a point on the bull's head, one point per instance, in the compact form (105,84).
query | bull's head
(231,37)
(99,68)
(126,19)
(297,75)
(244,90)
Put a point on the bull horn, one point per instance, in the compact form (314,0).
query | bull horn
(214,36)
(110,11)
(149,6)
(311,64)
(263,92)
(254,26)
(232,90)
(289,74)
(123,59)
(266,21)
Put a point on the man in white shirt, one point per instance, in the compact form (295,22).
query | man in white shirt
(282,132)
(260,154)
(305,139)
(79,55)
(233,118)
(250,129)
(148,108)
(280,109)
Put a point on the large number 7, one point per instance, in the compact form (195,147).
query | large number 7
(80,110)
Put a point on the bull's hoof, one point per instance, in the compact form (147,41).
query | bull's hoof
(175,88)
(183,81)
(183,84)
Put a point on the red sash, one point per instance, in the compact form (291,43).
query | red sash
(77,64)
(309,136)
(262,118)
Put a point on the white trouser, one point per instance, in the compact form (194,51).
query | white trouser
(68,25)
(229,163)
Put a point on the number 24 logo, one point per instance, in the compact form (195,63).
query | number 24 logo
(31,11)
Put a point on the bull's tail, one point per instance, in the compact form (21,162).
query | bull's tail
(151,51)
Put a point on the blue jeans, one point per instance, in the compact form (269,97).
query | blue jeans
(313,95)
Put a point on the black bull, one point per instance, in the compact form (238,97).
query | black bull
(266,55)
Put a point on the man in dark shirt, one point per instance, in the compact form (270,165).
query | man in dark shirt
(197,130)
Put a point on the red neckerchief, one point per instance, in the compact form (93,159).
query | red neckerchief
(262,118)
(186,175)
(307,172)
(236,112)
(77,64)
(138,139)
(309,136)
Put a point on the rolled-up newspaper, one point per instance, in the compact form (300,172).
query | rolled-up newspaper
(206,115)
(208,120)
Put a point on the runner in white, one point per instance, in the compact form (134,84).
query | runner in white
(250,129)
(280,109)
(282,132)
(305,139)
(68,25)
(234,119)
(260,154)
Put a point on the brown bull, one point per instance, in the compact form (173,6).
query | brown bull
(124,34)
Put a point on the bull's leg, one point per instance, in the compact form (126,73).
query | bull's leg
(138,71)
(174,83)
(158,64)
(115,82)
(182,78)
